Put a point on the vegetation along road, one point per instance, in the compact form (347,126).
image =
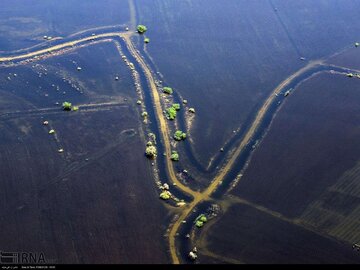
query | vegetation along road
(163,125)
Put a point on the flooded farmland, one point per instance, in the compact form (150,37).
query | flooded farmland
(265,97)
(310,144)
(302,175)
(225,59)
(83,205)
(247,235)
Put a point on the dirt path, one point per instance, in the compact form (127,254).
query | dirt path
(164,130)
(227,167)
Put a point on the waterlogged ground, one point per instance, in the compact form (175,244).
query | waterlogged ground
(297,202)
(23,23)
(302,180)
(226,58)
(96,201)
(311,143)
(247,235)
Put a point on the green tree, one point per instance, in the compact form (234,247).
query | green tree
(179,135)
(165,195)
(174,156)
(176,106)
(66,106)
(199,223)
(203,218)
(167,90)
(170,113)
(151,151)
(141,29)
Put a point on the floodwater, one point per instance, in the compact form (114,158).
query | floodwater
(23,23)
(311,142)
(251,236)
(225,59)
(87,204)
(305,169)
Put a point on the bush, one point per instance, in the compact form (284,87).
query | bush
(66,106)
(141,29)
(203,218)
(146,40)
(176,106)
(200,220)
(199,224)
(174,156)
(152,136)
(167,90)
(151,151)
(179,135)
(171,113)
(165,195)
(149,143)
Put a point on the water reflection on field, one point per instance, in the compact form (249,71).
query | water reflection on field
(87,204)
(225,59)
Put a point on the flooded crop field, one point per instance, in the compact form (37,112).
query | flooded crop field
(23,23)
(225,59)
(305,172)
(187,132)
(247,235)
(86,204)
(310,144)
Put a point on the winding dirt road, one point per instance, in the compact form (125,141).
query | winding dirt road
(164,130)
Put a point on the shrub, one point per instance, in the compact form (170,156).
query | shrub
(203,218)
(165,195)
(66,106)
(167,90)
(176,106)
(179,135)
(151,151)
(174,156)
(171,113)
(199,223)
(141,29)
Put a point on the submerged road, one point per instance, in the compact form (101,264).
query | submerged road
(205,195)
(198,197)
(154,91)
(164,130)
